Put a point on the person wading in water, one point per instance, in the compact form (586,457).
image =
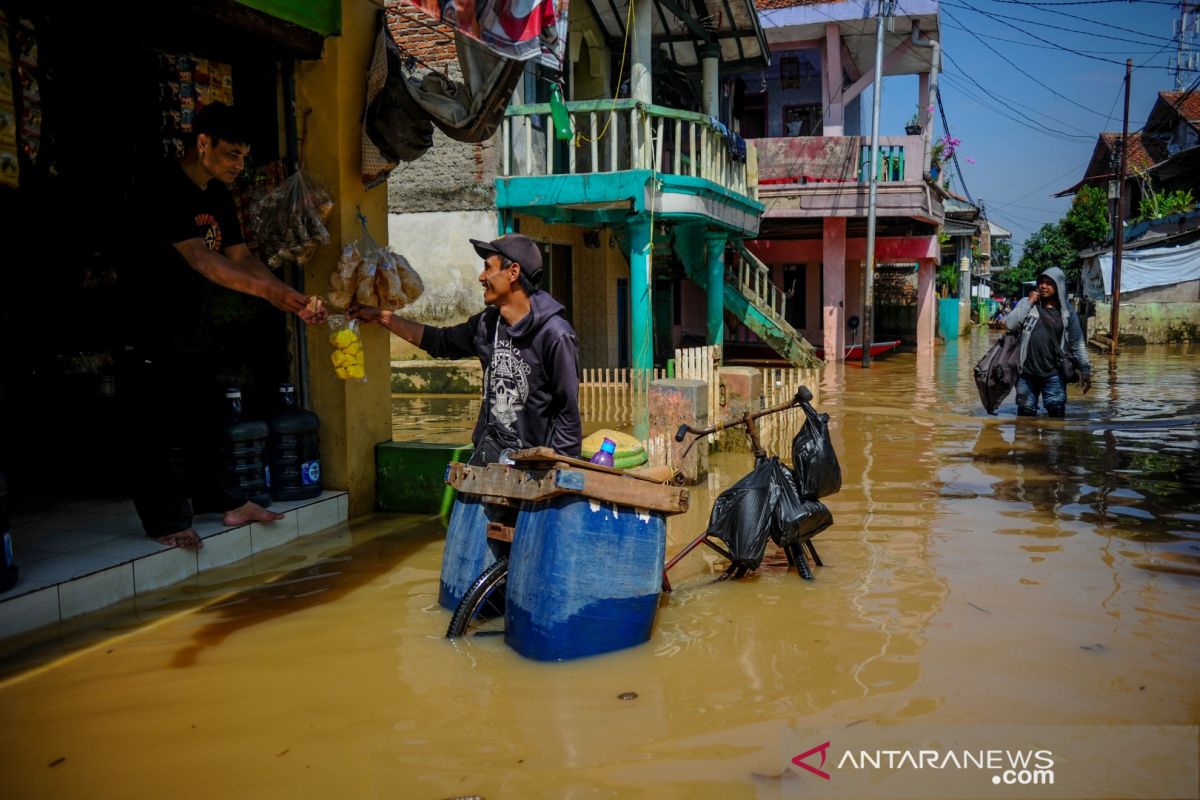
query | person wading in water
(1049,332)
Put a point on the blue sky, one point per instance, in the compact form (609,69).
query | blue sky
(1017,169)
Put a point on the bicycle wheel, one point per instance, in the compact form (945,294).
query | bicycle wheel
(481,612)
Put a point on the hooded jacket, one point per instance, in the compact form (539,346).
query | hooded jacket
(1026,317)
(531,386)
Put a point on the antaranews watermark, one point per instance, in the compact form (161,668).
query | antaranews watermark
(897,762)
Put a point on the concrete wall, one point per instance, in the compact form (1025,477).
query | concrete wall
(450,176)
(594,282)
(437,245)
(1153,323)
(1186,292)
(330,95)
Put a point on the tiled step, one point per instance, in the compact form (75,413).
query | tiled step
(81,560)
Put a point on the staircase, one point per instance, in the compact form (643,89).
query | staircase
(759,305)
(753,299)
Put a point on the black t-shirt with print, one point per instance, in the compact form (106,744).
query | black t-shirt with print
(1042,352)
(169,298)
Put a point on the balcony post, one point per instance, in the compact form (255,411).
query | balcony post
(834,300)
(710,55)
(639,73)
(926,302)
(715,262)
(641,321)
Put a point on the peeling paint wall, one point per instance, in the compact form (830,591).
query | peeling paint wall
(1152,323)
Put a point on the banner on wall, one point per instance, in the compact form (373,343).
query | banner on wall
(515,29)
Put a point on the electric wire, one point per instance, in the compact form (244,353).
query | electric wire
(1015,66)
(1042,23)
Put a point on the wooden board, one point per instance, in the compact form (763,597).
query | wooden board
(505,485)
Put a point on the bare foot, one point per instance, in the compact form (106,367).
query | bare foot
(251,512)
(187,539)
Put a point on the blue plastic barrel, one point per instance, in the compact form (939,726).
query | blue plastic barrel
(468,550)
(584,578)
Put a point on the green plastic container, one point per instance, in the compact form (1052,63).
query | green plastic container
(410,476)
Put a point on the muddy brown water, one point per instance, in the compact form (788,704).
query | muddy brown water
(978,572)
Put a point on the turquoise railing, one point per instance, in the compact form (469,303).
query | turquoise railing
(613,136)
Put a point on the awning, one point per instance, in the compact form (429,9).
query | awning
(732,24)
(953,227)
(321,16)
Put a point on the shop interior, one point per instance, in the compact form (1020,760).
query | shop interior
(102,97)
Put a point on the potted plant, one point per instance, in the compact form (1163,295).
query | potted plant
(913,126)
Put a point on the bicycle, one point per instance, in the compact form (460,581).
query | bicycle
(482,608)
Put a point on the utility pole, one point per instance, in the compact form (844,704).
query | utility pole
(1114,323)
(885,8)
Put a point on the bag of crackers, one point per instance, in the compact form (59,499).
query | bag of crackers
(289,221)
(374,276)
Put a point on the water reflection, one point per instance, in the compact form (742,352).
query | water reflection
(978,570)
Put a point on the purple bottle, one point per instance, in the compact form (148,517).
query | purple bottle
(604,456)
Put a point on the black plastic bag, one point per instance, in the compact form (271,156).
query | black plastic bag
(814,462)
(764,505)
(997,372)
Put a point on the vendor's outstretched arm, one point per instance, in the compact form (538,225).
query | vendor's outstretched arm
(242,272)
(406,329)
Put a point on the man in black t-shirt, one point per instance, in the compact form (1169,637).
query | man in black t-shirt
(167,376)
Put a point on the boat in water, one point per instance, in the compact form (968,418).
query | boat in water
(854,352)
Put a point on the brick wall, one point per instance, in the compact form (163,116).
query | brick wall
(450,176)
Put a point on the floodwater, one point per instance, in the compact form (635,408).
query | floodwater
(979,572)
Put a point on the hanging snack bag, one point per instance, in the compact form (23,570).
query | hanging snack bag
(387,282)
(347,355)
(364,291)
(344,280)
(290,220)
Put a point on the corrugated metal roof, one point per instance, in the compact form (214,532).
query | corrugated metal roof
(747,44)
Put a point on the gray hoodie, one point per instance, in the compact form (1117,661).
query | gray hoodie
(1025,316)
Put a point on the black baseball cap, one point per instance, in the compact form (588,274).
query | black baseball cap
(515,247)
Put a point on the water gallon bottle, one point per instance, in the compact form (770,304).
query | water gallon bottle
(604,456)
(8,565)
(295,450)
(246,450)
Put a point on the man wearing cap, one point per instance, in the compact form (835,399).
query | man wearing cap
(529,352)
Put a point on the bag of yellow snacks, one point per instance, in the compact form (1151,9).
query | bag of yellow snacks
(347,355)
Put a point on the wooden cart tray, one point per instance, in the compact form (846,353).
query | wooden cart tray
(541,476)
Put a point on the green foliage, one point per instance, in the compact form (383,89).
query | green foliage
(947,279)
(1001,252)
(1156,205)
(1086,222)
(1048,247)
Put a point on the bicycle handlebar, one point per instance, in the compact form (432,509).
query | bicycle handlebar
(803,395)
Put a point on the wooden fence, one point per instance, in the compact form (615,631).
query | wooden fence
(779,386)
(610,395)
(702,364)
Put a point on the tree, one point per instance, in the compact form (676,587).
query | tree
(1002,253)
(1086,222)
(1048,247)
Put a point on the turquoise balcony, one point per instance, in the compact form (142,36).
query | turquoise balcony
(629,160)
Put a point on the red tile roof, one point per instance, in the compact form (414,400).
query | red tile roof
(1143,153)
(1189,109)
(766,5)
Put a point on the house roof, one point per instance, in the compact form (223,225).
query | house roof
(1143,153)
(1185,105)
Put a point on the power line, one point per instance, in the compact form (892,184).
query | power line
(954,154)
(1060,46)
(1051,46)
(1049,183)
(1043,24)
(1084,2)
(1092,22)
(1010,62)
(1081,132)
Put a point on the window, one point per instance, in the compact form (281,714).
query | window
(803,120)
